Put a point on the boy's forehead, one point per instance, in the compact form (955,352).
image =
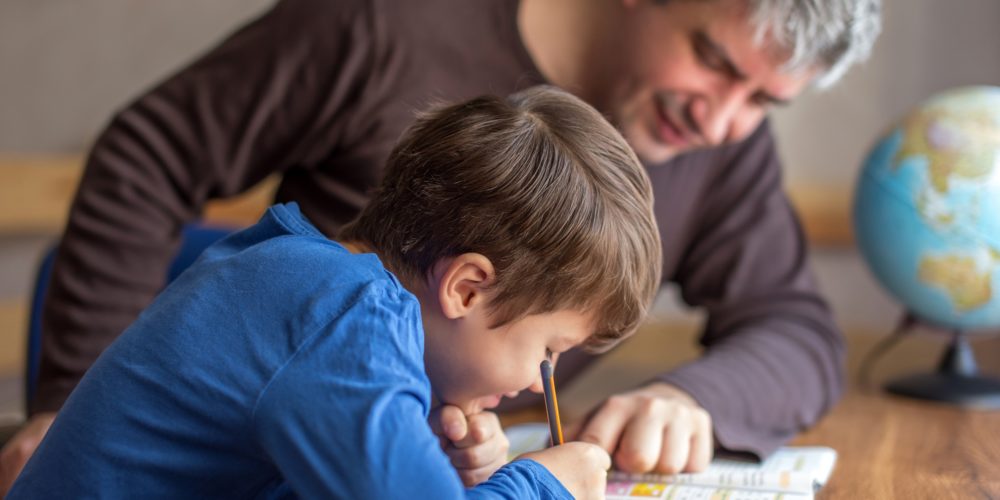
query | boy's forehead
(568,325)
(577,326)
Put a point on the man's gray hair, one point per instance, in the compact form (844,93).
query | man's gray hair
(829,34)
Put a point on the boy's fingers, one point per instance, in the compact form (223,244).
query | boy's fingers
(449,422)
(482,427)
(472,477)
(478,456)
(599,457)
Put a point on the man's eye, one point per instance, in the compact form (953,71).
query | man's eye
(761,101)
(708,58)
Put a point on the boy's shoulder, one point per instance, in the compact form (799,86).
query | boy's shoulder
(284,254)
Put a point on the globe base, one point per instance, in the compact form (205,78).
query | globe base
(957,379)
(962,390)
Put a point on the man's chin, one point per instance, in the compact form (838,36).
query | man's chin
(650,150)
(655,153)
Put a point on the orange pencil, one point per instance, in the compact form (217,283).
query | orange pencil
(551,406)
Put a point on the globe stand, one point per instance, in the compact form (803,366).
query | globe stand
(956,381)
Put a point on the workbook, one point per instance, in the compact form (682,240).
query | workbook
(791,473)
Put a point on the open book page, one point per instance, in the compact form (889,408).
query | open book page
(795,472)
(645,491)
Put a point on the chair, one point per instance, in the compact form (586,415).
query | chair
(195,238)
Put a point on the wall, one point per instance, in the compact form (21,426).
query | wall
(67,64)
(926,46)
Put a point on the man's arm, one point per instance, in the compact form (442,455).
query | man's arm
(773,363)
(265,100)
(773,359)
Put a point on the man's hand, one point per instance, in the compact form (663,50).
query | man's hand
(18,450)
(656,428)
(475,444)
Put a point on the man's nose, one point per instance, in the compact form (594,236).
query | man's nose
(714,117)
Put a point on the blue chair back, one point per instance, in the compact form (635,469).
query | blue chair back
(195,238)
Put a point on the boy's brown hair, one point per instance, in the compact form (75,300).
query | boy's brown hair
(539,183)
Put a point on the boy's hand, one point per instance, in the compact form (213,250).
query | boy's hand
(657,428)
(475,444)
(21,446)
(581,467)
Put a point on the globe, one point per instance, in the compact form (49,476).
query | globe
(927,210)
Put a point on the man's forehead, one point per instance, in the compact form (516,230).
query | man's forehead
(727,27)
(730,24)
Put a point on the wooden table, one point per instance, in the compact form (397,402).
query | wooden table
(889,447)
(896,447)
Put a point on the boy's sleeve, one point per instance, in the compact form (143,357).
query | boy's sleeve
(349,419)
(270,97)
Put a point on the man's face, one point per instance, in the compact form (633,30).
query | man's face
(473,366)
(692,77)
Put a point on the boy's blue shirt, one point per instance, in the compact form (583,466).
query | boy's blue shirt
(278,365)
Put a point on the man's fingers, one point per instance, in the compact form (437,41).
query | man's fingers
(641,445)
(701,443)
(604,428)
(676,447)
(449,422)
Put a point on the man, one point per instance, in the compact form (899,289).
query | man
(319,91)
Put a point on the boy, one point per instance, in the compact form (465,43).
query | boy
(286,364)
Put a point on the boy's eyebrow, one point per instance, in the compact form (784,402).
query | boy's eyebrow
(705,43)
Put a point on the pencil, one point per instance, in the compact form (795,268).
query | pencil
(551,405)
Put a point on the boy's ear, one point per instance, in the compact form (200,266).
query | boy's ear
(463,283)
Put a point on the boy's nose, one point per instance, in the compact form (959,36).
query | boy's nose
(536,386)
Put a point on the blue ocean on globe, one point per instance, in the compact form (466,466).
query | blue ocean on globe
(927,210)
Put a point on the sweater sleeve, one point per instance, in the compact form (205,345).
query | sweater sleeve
(773,359)
(348,418)
(269,98)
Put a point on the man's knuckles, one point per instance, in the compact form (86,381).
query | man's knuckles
(618,403)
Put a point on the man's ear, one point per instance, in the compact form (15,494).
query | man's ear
(463,283)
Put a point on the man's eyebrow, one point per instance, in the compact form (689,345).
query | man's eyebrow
(774,100)
(708,47)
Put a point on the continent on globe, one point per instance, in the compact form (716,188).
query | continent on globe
(960,277)
(963,145)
